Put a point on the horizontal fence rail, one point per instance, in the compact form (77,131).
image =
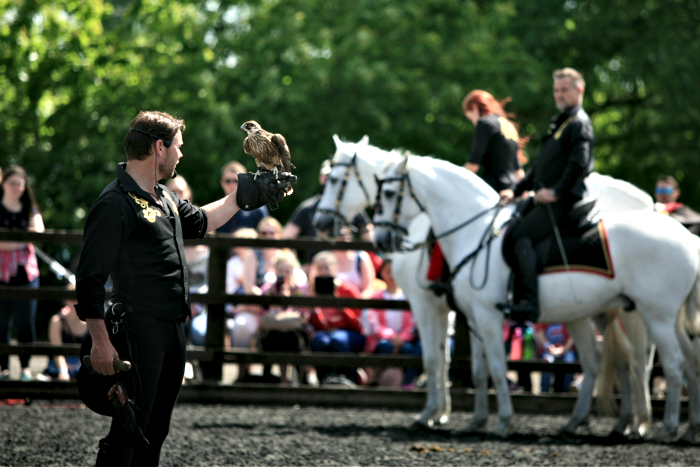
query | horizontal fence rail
(213,355)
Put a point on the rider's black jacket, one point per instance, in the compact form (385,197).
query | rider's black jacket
(137,242)
(565,158)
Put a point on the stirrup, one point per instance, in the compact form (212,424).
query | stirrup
(520,312)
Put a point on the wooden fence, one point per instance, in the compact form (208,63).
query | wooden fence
(213,355)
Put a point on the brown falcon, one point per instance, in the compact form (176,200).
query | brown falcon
(270,151)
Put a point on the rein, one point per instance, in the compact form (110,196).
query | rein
(349,167)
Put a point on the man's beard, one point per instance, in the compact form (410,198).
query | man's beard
(166,169)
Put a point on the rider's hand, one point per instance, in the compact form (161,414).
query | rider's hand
(545,195)
(506,195)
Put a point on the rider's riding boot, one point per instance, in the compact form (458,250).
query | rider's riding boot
(527,308)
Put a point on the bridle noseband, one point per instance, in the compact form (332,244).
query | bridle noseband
(349,167)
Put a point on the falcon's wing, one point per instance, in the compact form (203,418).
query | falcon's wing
(284,155)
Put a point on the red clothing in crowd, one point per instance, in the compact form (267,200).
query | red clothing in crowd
(379,327)
(327,318)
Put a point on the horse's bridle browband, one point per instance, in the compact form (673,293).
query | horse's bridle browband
(349,166)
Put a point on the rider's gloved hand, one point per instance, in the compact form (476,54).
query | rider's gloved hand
(265,189)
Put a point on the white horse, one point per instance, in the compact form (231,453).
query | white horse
(351,188)
(656,261)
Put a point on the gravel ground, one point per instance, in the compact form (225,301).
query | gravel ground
(66,434)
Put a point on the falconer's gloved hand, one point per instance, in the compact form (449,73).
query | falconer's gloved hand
(265,189)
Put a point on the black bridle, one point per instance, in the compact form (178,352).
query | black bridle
(350,167)
(394,226)
(405,181)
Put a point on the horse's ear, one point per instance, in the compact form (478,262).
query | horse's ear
(337,141)
(404,164)
(364,140)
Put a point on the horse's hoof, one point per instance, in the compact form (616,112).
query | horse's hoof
(567,432)
(442,421)
(616,437)
(422,426)
(664,438)
(690,436)
(500,434)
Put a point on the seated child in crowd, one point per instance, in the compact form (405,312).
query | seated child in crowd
(392,331)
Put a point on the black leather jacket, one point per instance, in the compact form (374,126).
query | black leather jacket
(565,158)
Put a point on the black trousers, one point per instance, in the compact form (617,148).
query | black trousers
(535,223)
(24,312)
(159,357)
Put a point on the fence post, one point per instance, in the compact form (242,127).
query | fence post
(216,316)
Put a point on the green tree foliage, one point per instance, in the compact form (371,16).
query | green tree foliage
(73,73)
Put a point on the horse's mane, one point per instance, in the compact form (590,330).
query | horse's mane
(456,176)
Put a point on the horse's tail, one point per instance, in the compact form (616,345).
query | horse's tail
(616,348)
(692,305)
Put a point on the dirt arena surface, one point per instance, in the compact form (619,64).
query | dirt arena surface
(65,434)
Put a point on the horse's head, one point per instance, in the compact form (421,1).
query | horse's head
(347,190)
(395,207)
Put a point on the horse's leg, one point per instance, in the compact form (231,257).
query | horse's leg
(643,353)
(583,333)
(480,379)
(427,320)
(693,383)
(490,324)
(444,397)
(664,334)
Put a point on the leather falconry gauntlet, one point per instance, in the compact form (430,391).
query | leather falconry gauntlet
(265,189)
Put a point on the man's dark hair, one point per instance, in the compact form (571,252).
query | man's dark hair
(156,125)
(668,179)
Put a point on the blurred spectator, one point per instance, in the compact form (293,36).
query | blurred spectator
(269,228)
(282,328)
(197,259)
(392,331)
(301,221)
(66,328)
(666,193)
(242,219)
(242,267)
(18,263)
(0,174)
(519,341)
(556,346)
(355,266)
(334,329)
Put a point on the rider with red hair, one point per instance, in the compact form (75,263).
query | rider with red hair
(495,152)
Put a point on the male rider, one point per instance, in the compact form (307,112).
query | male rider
(564,160)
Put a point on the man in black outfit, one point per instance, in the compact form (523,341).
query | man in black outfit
(564,160)
(134,233)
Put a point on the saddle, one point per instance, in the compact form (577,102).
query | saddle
(584,241)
